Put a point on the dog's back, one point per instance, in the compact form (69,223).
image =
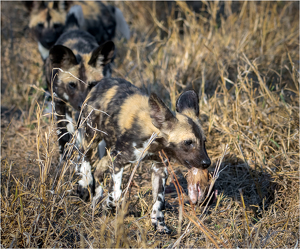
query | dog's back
(99,20)
(103,21)
(125,104)
(79,41)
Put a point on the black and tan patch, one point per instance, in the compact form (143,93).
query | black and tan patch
(78,62)
(75,64)
(48,21)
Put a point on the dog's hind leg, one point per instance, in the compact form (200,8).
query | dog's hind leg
(159,178)
(103,166)
(86,185)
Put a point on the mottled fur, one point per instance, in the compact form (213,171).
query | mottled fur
(130,118)
(48,19)
(74,65)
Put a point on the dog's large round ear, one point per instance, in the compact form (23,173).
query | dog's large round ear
(188,100)
(160,113)
(103,54)
(62,57)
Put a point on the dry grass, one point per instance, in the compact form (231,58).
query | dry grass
(244,64)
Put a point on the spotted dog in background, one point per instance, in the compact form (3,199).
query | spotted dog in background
(75,64)
(48,19)
(130,118)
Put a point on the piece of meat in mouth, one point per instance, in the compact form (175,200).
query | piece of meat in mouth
(199,181)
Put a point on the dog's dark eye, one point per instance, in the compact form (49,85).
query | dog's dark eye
(57,25)
(40,25)
(188,142)
(72,85)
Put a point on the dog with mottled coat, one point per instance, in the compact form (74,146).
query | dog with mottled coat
(125,117)
(48,21)
(75,64)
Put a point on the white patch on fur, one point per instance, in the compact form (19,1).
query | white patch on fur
(43,51)
(66,97)
(166,172)
(156,213)
(122,26)
(138,151)
(70,126)
(99,60)
(101,148)
(117,185)
(194,171)
(154,168)
(85,172)
(164,181)
(98,195)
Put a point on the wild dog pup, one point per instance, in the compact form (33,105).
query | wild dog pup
(75,64)
(47,21)
(130,118)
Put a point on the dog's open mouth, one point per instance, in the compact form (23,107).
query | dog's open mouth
(199,181)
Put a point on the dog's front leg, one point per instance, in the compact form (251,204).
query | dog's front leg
(159,178)
(86,185)
(62,126)
(120,155)
(117,180)
(103,165)
(117,174)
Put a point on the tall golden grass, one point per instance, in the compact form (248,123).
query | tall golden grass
(242,58)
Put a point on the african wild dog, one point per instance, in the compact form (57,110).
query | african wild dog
(75,64)
(125,118)
(47,21)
